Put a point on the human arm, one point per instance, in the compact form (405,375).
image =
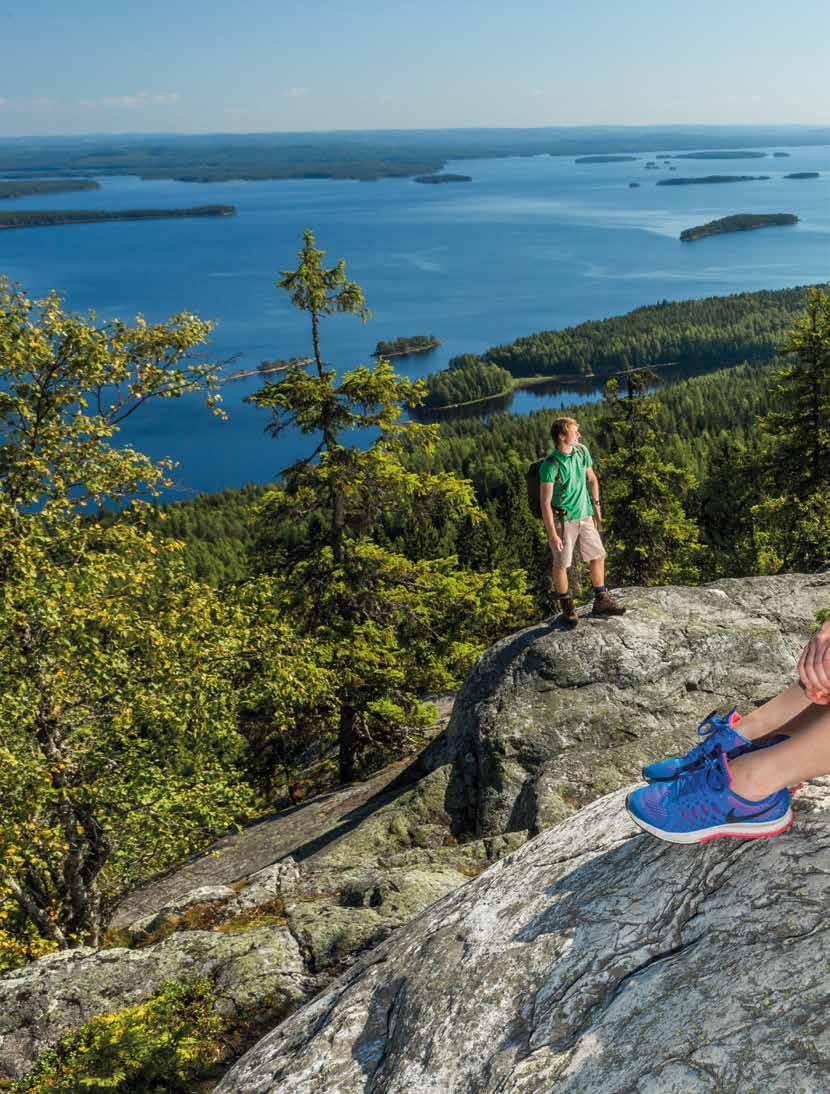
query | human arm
(814,666)
(593,492)
(545,496)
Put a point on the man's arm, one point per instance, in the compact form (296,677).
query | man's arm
(593,491)
(545,496)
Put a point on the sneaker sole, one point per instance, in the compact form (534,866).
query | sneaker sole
(758,830)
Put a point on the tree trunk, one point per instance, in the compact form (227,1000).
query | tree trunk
(347,741)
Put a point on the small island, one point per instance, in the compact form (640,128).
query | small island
(24,188)
(434,180)
(407,347)
(732,154)
(606,159)
(781,155)
(803,175)
(740,222)
(46,218)
(633,185)
(709,179)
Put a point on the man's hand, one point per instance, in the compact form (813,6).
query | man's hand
(556,543)
(597,518)
(814,667)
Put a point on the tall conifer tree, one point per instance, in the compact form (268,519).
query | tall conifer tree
(652,540)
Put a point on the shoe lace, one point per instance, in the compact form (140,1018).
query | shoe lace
(708,747)
(709,775)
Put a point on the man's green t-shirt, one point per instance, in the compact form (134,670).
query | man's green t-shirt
(571,490)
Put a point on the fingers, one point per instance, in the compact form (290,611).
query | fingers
(814,665)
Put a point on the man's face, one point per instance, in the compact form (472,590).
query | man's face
(573,434)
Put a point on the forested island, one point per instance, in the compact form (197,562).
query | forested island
(710,179)
(432,180)
(803,175)
(24,188)
(46,218)
(406,347)
(725,154)
(468,379)
(740,222)
(606,159)
(716,330)
(781,155)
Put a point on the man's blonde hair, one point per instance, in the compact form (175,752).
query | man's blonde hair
(560,427)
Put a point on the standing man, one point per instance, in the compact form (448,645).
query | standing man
(569,496)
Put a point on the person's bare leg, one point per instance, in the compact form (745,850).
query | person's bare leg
(596,568)
(805,756)
(776,715)
(560,580)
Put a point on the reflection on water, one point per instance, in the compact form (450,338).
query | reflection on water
(549,395)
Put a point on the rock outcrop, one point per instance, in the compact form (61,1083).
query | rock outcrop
(550,720)
(593,960)
(547,722)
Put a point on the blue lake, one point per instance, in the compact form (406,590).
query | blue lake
(531,244)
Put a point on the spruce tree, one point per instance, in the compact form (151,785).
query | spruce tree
(794,515)
(388,628)
(651,539)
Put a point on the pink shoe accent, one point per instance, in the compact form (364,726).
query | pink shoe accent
(750,835)
(734,718)
(797,786)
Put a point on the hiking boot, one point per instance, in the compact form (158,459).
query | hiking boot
(605,604)
(568,616)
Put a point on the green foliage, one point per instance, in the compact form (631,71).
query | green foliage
(402,347)
(710,333)
(650,539)
(386,628)
(461,384)
(792,514)
(117,707)
(161,1045)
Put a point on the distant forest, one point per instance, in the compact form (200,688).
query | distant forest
(44,218)
(366,155)
(715,331)
(24,188)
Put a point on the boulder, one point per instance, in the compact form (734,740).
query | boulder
(549,720)
(592,960)
(261,970)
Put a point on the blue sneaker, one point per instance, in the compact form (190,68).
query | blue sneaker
(718,733)
(700,805)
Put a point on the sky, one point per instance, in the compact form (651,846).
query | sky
(110,66)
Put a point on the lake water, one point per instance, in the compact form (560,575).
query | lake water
(531,244)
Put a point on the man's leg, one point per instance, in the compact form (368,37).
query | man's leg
(593,552)
(596,568)
(560,580)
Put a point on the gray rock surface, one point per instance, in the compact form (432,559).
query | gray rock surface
(549,720)
(260,970)
(593,960)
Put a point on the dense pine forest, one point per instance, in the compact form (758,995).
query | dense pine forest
(205,662)
(713,332)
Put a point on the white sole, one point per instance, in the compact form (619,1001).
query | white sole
(743,831)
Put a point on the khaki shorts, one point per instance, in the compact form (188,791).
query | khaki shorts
(573,532)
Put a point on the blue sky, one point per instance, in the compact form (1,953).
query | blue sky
(183,66)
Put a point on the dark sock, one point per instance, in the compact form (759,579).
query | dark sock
(564,597)
(599,590)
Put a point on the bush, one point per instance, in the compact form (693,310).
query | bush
(155,1047)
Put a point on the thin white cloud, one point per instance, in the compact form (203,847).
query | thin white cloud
(296,92)
(3,102)
(132,102)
